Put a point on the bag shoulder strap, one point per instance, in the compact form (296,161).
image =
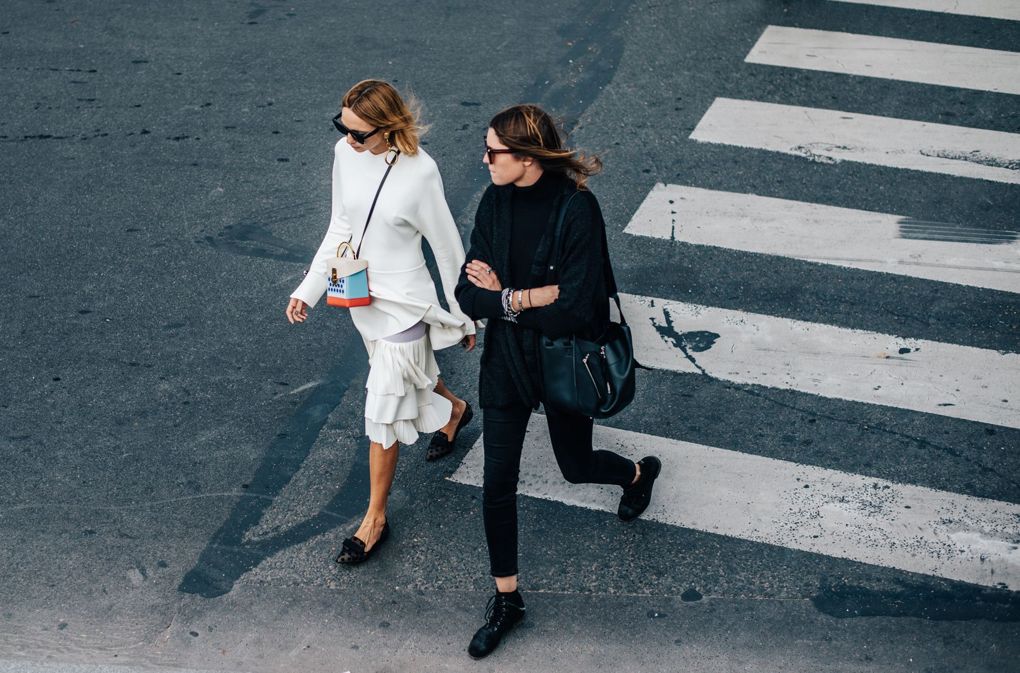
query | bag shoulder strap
(558,237)
(389,167)
(607,266)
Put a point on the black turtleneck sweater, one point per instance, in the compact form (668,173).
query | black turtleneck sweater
(532,214)
(513,234)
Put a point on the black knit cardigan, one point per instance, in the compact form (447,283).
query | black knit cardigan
(510,369)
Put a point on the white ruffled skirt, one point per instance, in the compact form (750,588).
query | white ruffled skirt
(401,400)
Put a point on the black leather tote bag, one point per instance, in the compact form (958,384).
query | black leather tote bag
(592,378)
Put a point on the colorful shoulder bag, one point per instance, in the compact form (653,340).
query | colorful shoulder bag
(347,277)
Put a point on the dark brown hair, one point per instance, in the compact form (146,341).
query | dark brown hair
(530,131)
(379,104)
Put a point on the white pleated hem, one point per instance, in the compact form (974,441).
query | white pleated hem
(400,399)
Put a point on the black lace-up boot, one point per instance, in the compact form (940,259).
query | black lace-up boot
(636,498)
(501,614)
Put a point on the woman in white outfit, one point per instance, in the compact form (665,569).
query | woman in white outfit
(404,322)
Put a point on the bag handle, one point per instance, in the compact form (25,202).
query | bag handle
(345,246)
(389,167)
(607,266)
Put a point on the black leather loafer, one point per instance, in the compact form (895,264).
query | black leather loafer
(441,445)
(352,551)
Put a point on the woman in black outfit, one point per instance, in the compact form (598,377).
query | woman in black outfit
(505,281)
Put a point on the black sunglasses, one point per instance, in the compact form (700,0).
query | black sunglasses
(491,153)
(359,136)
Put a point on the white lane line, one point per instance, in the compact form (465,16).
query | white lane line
(829,136)
(927,376)
(777,502)
(889,58)
(826,234)
(992,9)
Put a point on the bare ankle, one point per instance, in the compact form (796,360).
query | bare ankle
(374,519)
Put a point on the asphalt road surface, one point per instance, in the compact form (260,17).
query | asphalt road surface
(832,368)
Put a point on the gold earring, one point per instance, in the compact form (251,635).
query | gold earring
(391,155)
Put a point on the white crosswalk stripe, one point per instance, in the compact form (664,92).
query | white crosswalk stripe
(802,507)
(994,9)
(830,136)
(927,376)
(842,236)
(889,58)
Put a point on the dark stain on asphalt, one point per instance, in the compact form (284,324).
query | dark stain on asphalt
(687,342)
(960,603)
(254,239)
(227,556)
(699,341)
(691,596)
(37,136)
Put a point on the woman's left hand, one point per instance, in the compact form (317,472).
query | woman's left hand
(482,275)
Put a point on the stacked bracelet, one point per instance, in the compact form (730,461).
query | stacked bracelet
(508,310)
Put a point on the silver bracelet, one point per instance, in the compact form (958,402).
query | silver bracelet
(508,310)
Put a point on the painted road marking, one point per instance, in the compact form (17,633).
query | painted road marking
(845,237)
(889,58)
(830,136)
(927,376)
(993,9)
(803,507)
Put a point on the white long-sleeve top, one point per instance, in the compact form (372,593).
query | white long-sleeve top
(411,205)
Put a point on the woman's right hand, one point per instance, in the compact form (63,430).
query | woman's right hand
(543,296)
(297,311)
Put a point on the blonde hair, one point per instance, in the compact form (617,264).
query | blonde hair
(378,103)
(530,131)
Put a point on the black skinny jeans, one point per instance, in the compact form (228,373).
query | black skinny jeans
(504,430)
